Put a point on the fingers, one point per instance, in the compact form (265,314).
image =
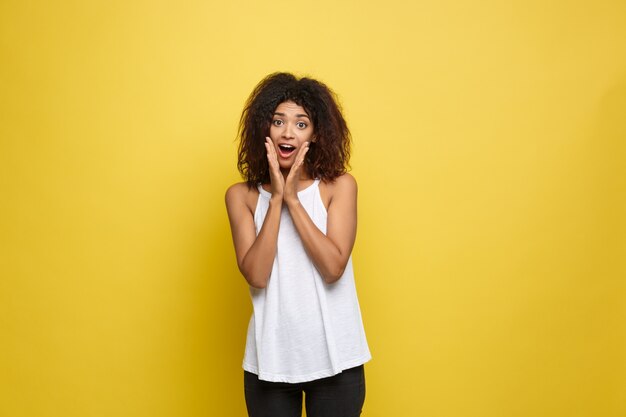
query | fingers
(271,152)
(276,178)
(300,157)
(297,165)
(272,158)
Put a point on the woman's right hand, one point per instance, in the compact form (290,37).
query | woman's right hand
(276,177)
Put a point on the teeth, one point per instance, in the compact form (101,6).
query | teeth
(287,147)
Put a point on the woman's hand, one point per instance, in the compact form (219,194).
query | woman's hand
(291,184)
(276,177)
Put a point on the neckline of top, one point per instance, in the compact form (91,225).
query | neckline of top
(266,193)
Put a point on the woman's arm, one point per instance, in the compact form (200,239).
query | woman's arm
(255,254)
(330,252)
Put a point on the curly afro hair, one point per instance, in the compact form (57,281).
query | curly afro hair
(327,158)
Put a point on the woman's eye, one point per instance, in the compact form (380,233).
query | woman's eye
(277,122)
(301,125)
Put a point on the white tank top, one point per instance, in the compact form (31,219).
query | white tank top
(302,328)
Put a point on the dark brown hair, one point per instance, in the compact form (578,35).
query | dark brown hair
(327,157)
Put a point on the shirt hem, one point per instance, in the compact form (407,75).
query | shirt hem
(293,379)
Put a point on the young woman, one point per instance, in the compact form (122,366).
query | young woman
(293,223)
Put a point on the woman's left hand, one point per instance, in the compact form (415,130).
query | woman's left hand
(291,184)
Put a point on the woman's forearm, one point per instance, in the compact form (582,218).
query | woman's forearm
(256,265)
(325,254)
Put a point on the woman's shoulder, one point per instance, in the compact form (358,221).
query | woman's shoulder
(238,187)
(343,183)
(240,192)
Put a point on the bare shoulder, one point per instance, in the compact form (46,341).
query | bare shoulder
(236,191)
(342,187)
(345,183)
(240,193)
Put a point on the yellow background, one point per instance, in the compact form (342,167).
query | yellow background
(490,151)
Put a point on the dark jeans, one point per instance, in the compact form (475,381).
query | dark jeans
(341,395)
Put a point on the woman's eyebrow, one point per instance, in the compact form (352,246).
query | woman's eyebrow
(297,115)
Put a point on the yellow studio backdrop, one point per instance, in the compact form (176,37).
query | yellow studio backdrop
(490,152)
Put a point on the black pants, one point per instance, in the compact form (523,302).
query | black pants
(341,395)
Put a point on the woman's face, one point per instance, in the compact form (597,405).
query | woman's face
(290,128)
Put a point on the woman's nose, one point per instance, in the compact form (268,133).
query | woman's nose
(288,131)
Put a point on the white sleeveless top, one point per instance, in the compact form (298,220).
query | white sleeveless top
(302,328)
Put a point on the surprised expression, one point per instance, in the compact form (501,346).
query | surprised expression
(290,128)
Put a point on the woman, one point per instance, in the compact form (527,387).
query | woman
(293,223)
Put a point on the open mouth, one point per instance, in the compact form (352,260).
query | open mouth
(286,150)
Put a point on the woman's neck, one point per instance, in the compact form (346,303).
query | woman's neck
(304,176)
